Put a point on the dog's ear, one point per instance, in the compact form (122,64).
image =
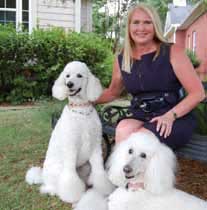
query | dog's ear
(160,172)
(94,88)
(115,165)
(59,89)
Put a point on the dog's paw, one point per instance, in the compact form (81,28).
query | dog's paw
(46,189)
(34,176)
(70,188)
(92,200)
(101,183)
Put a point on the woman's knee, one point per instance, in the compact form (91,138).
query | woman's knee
(124,124)
(125,128)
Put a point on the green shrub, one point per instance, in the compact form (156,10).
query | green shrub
(200,112)
(193,58)
(29,64)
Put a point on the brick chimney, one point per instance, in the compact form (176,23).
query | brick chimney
(179,3)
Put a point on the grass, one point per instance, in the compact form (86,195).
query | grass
(24,136)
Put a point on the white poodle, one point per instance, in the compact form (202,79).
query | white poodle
(92,200)
(144,171)
(75,140)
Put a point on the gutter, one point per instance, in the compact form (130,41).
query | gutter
(198,10)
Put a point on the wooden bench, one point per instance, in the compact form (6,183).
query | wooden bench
(196,148)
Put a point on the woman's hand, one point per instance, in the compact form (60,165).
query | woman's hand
(164,123)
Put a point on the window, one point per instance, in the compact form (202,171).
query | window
(7,12)
(15,12)
(194,41)
(189,41)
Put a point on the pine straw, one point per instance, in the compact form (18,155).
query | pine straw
(192,177)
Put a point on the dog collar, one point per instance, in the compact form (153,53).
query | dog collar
(82,112)
(72,107)
(135,186)
(71,104)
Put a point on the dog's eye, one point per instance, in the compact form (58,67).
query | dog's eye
(130,151)
(143,155)
(68,75)
(79,75)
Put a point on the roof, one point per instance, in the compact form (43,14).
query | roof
(179,13)
(199,9)
(176,15)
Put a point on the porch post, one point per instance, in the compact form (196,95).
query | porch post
(78,16)
(32,15)
(18,13)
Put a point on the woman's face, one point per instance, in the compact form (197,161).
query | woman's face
(141,28)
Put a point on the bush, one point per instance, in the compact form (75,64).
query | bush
(193,58)
(200,112)
(29,64)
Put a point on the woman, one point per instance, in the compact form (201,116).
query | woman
(153,72)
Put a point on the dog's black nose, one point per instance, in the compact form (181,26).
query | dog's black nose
(127,169)
(70,84)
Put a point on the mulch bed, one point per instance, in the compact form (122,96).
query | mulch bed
(192,177)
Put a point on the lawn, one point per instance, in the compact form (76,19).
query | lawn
(24,136)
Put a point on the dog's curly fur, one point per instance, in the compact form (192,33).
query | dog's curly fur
(75,140)
(143,159)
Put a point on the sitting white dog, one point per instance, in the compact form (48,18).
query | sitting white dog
(75,140)
(144,171)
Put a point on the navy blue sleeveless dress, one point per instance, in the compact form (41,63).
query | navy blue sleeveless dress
(157,75)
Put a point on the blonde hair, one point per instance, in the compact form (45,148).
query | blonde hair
(128,42)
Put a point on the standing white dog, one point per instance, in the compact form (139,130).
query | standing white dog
(75,140)
(143,168)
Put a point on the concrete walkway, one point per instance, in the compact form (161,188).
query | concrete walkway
(19,107)
(118,102)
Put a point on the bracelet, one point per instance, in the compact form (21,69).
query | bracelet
(174,114)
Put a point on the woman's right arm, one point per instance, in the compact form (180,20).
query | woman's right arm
(115,88)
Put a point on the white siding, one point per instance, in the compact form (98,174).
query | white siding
(55,13)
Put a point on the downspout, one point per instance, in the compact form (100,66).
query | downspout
(174,34)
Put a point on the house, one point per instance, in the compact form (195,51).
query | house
(187,27)
(73,15)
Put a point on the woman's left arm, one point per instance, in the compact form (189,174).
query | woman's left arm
(190,81)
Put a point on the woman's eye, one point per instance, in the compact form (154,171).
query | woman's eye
(130,151)
(136,22)
(68,75)
(79,75)
(147,22)
(143,155)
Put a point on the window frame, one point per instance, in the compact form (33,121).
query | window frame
(189,41)
(194,36)
(5,9)
(19,16)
